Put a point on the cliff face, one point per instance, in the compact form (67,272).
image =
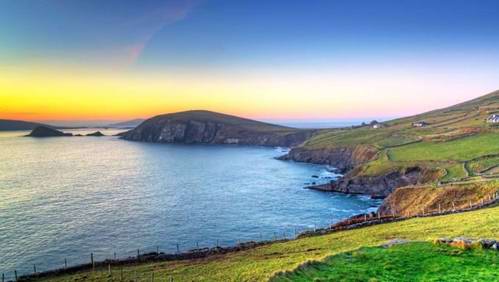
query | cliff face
(379,186)
(342,158)
(212,128)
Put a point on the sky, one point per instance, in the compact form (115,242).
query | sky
(92,60)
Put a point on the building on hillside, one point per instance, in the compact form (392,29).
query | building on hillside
(375,124)
(494,118)
(420,124)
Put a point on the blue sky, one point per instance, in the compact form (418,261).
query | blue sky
(201,33)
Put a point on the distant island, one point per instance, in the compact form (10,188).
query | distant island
(46,131)
(12,125)
(126,124)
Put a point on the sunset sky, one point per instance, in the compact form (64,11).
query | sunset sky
(94,60)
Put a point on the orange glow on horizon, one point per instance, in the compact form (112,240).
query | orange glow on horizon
(39,94)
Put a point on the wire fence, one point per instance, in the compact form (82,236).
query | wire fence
(112,268)
(448,207)
(98,261)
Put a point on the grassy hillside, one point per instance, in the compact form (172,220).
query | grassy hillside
(418,261)
(409,201)
(262,263)
(457,141)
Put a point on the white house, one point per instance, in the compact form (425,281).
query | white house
(493,118)
(419,124)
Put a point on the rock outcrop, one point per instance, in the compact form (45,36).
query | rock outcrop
(213,128)
(45,131)
(96,134)
(342,158)
(378,186)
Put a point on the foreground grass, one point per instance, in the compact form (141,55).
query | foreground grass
(262,263)
(418,261)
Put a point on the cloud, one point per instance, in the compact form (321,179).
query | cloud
(152,22)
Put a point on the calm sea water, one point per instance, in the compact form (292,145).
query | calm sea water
(67,197)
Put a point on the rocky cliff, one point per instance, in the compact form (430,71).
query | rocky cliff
(213,128)
(379,186)
(342,158)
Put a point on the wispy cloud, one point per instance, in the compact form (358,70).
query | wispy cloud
(151,22)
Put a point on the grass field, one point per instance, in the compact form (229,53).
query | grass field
(262,263)
(416,261)
(461,149)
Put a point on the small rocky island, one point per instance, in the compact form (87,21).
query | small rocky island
(96,134)
(45,131)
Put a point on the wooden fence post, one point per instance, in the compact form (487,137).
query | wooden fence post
(453,206)
(365,217)
(65,263)
(109,269)
(114,255)
(138,254)
(34,268)
(470,204)
(92,260)
(15,274)
(3,277)
(178,249)
(439,208)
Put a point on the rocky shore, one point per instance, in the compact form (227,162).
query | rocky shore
(342,158)
(377,187)
(346,159)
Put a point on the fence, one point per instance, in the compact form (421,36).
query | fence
(112,265)
(379,218)
(113,268)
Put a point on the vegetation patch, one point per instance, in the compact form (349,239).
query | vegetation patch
(409,201)
(481,165)
(416,261)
